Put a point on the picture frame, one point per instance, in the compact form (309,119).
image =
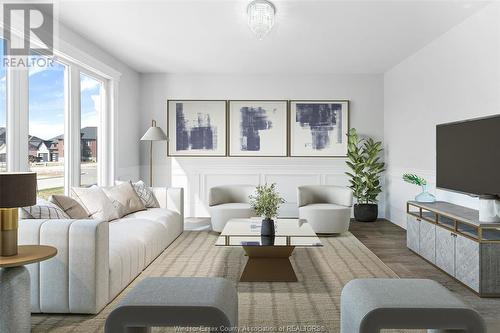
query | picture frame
(196,128)
(258,128)
(318,128)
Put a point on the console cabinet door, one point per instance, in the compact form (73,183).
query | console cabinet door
(467,262)
(445,250)
(412,233)
(427,241)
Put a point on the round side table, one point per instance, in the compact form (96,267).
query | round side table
(15,302)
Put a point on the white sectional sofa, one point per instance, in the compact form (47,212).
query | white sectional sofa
(96,260)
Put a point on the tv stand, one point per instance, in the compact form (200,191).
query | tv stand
(452,238)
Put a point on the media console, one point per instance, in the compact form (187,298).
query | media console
(452,238)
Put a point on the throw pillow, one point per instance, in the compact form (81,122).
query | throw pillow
(124,196)
(144,192)
(96,203)
(43,210)
(70,206)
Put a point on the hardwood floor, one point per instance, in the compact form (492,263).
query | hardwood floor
(388,242)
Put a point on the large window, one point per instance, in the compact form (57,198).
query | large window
(90,113)
(59,123)
(3,112)
(46,127)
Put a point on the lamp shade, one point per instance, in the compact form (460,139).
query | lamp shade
(154,133)
(17,189)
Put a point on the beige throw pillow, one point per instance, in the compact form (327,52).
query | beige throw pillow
(124,197)
(95,202)
(70,206)
(144,192)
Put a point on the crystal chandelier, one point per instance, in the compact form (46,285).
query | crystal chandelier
(261,17)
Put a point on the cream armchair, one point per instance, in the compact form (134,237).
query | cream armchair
(326,208)
(229,202)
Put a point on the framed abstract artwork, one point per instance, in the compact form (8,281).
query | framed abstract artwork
(319,128)
(258,128)
(196,127)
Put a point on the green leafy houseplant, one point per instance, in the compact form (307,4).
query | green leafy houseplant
(365,163)
(266,202)
(414,179)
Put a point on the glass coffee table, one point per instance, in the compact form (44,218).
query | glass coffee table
(268,257)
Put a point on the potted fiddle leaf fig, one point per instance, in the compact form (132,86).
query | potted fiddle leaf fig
(364,156)
(266,202)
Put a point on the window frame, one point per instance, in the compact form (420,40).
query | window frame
(17,110)
(100,128)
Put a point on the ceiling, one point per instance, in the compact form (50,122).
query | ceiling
(309,37)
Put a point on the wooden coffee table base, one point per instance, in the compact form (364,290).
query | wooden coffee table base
(268,264)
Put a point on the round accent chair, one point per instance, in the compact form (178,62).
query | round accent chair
(229,202)
(326,208)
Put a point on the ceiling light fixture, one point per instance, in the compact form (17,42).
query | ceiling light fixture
(261,15)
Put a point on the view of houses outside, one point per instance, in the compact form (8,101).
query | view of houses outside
(47,160)
(46,128)
(46,123)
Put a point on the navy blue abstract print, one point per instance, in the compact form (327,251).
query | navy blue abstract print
(253,120)
(321,119)
(199,135)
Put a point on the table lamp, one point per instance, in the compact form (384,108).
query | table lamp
(17,189)
(154,133)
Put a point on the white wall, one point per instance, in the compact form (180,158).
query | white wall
(455,77)
(128,117)
(197,175)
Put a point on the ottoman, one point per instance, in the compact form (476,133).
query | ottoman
(369,305)
(176,301)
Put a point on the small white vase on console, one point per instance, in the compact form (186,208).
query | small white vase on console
(489,208)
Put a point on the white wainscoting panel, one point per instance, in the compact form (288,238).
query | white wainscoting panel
(198,174)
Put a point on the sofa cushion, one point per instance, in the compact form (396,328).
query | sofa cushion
(324,206)
(326,218)
(96,203)
(161,215)
(232,206)
(221,214)
(124,197)
(69,205)
(133,244)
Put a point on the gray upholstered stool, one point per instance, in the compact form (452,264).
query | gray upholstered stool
(369,305)
(176,301)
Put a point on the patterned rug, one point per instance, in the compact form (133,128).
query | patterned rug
(313,302)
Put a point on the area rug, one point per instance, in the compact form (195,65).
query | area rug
(310,305)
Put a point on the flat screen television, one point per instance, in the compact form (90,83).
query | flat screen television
(468,156)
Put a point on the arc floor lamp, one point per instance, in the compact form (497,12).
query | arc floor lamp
(154,133)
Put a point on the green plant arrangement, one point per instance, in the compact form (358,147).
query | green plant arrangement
(266,202)
(364,160)
(414,179)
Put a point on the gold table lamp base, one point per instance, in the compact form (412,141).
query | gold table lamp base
(8,231)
